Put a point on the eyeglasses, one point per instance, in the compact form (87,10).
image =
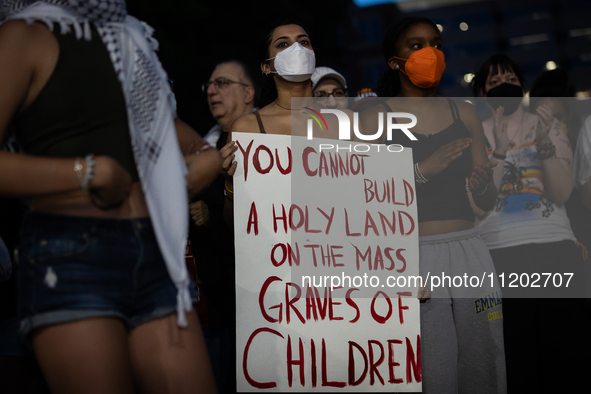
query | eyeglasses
(334,93)
(220,83)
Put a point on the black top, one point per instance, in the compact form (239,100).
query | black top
(81,109)
(444,197)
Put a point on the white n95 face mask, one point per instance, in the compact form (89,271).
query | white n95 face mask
(296,63)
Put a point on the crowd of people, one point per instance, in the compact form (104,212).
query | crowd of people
(108,187)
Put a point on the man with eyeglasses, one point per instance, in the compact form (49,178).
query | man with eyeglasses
(230,94)
(329,88)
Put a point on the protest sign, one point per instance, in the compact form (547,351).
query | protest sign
(326,239)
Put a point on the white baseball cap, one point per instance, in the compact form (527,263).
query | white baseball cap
(326,72)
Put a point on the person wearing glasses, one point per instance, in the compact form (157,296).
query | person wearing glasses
(230,94)
(329,88)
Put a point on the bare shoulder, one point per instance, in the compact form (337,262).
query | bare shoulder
(18,34)
(28,53)
(467,110)
(26,47)
(245,124)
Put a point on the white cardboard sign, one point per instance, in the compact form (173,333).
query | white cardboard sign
(326,246)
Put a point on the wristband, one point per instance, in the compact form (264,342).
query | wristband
(499,156)
(89,176)
(228,196)
(227,188)
(480,193)
(84,180)
(419,177)
(546,151)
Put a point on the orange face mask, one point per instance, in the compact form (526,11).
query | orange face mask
(424,67)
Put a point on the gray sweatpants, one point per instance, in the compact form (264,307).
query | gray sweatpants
(461,327)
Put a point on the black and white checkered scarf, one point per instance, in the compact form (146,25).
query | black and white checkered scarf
(150,110)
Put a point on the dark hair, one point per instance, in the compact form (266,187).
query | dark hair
(268,89)
(389,84)
(553,83)
(498,61)
(266,42)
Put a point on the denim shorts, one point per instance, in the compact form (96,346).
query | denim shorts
(72,268)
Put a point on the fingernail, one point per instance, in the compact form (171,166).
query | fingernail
(482,165)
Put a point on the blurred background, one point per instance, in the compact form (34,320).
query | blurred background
(539,35)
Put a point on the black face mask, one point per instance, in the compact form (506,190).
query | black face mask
(507,95)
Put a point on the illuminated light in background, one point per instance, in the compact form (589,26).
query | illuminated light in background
(469,77)
(550,65)
(367,3)
(530,39)
(440,27)
(463,26)
(580,32)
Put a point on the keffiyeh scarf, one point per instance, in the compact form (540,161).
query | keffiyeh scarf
(150,110)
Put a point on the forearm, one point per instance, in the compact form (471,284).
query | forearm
(486,200)
(558,183)
(202,170)
(30,176)
(498,172)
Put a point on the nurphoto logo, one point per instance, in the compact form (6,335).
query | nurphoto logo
(345,124)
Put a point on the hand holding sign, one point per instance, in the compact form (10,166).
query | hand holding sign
(325,243)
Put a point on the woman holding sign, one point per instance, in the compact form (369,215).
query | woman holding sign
(461,342)
(287,57)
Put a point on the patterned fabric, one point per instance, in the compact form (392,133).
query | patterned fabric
(150,108)
(523,213)
(96,11)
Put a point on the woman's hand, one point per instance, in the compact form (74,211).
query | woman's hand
(499,131)
(482,176)
(544,124)
(228,156)
(199,213)
(423,294)
(443,157)
(111,183)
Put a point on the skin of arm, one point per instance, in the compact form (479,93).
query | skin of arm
(203,167)
(246,124)
(28,54)
(557,170)
(483,169)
